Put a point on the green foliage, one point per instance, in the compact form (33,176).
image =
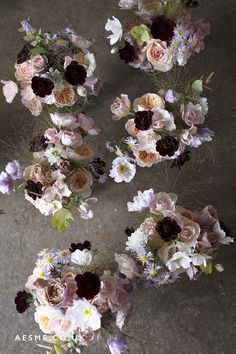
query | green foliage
(206,269)
(197,87)
(38,50)
(61,219)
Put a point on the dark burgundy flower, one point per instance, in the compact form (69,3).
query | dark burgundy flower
(23,55)
(191,3)
(34,189)
(88,285)
(225,228)
(75,74)
(22,301)
(168,229)
(162,28)
(80,246)
(181,159)
(127,53)
(42,86)
(143,120)
(167,146)
(38,143)
(129,231)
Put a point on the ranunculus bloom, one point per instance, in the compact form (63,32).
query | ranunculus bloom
(126,265)
(192,114)
(10,89)
(80,183)
(120,107)
(149,102)
(157,55)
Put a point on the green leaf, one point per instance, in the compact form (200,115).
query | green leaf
(61,219)
(38,50)
(197,87)
(208,79)
(140,33)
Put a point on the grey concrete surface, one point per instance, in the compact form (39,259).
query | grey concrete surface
(184,318)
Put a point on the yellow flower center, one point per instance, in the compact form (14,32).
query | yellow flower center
(123,169)
(88,312)
(143,259)
(153,272)
(48,261)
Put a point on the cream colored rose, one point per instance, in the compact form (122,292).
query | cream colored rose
(34,105)
(24,71)
(80,183)
(157,55)
(149,102)
(131,128)
(146,159)
(120,107)
(44,315)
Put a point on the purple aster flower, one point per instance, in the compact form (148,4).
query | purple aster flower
(203,135)
(63,256)
(6,183)
(151,271)
(117,343)
(15,170)
(172,96)
(144,257)
(48,261)
(27,26)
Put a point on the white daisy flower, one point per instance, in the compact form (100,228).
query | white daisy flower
(90,61)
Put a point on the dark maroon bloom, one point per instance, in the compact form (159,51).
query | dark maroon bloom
(127,53)
(181,159)
(143,120)
(129,231)
(168,229)
(167,146)
(162,28)
(75,74)
(34,189)
(191,3)
(38,143)
(22,301)
(88,285)
(42,86)
(23,55)
(80,246)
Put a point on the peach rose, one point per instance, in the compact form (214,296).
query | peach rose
(149,102)
(146,159)
(85,152)
(120,107)
(131,129)
(157,55)
(80,183)
(24,71)
(65,96)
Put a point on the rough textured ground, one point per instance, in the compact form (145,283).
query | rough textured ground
(185,318)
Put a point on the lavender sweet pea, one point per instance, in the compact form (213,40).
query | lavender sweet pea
(202,136)
(117,343)
(6,183)
(15,170)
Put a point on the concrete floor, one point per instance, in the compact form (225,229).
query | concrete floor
(187,317)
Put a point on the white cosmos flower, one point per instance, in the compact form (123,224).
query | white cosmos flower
(90,61)
(141,201)
(122,170)
(179,260)
(116,28)
(84,316)
(200,259)
(82,258)
(221,235)
(85,208)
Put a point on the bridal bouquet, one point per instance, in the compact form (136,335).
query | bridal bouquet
(55,70)
(164,35)
(63,171)
(173,240)
(75,305)
(161,127)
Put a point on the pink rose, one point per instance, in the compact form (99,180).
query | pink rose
(24,71)
(70,138)
(126,265)
(131,129)
(163,120)
(157,55)
(10,89)
(192,114)
(87,123)
(64,120)
(38,62)
(163,203)
(190,231)
(120,107)
(34,105)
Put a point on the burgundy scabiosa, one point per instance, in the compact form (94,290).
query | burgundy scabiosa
(88,285)
(167,146)
(38,143)
(168,229)
(143,120)
(34,189)
(42,86)
(80,246)
(22,301)
(23,55)
(127,53)
(75,74)
(181,159)
(162,28)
